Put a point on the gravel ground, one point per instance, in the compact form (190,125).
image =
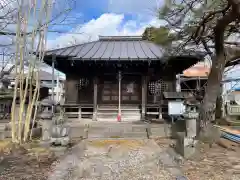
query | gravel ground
(220,162)
(122,159)
(19,164)
(216,163)
(116,160)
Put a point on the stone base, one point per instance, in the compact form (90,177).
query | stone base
(63,141)
(45,144)
(186,146)
(2,135)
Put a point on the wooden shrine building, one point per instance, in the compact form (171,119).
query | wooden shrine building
(118,76)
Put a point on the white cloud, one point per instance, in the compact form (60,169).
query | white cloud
(108,24)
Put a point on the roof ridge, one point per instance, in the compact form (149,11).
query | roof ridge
(120,38)
(75,45)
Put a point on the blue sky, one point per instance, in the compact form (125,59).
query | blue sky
(92,18)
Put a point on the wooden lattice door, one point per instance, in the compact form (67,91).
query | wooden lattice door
(109,89)
(131,89)
(85,90)
(155,90)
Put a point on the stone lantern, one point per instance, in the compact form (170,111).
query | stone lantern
(190,116)
(60,131)
(186,141)
(46,118)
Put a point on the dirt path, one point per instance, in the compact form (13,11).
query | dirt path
(116,160)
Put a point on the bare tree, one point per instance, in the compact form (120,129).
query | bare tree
(9,12)
(32,21)
(211,25)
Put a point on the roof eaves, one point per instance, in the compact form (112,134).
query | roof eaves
(116,59)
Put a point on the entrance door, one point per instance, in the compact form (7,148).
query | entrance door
(109,92)
(130,89)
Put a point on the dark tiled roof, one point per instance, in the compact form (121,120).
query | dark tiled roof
(113,48)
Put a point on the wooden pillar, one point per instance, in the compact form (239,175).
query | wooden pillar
(178,83)
(80,112)
(95,92)
(119,95)
(53,79)
(160,111)
(144,96)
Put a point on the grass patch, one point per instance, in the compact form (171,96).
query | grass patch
(115,137)
(4,144)
(39,150)
(120,142)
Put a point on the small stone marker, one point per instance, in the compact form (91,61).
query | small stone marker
(60,131)
(46,117)
(181,178)
(186,141)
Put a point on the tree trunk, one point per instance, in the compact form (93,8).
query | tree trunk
(219,101)
(207,110)
(208,106)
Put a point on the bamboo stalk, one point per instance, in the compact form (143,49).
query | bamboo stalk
(21,54)
(13,109)
(34,116)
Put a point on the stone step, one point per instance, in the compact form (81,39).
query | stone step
(116,107)
(115,115)
(117,135)
(109,117)
(114,119)
(122,112)
(119,129)
(118,124)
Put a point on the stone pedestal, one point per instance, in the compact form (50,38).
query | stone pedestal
(46,130)
(59,135)
(185,146)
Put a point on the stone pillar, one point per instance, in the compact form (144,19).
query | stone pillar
(191,116)
(46,130)
(46,119)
